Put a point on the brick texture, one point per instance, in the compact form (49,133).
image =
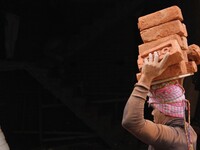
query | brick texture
(185,56)
(163,30)
(171,71)
(160,17)
(170,46)
(182,41)
(194,53)
(191,67)
(175,70)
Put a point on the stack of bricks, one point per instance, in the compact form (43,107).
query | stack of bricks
(163,31)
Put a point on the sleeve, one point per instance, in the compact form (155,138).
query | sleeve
(145,130)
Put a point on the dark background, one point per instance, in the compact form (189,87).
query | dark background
(68,67)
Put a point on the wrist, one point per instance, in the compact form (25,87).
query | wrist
(145,80)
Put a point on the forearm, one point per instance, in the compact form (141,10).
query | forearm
(133,117)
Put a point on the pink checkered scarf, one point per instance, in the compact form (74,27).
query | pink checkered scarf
(170,100)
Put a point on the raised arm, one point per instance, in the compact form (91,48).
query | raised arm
(133,117)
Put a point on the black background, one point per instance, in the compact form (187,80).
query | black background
(72,70)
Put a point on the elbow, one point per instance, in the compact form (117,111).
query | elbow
(127,120)
(125,123)
(131,123)
(131,126)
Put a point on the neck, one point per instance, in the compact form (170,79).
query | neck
(176,122)
(167,119)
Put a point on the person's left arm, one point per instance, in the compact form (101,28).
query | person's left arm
(133,117)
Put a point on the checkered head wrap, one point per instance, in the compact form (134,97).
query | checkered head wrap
(170,100)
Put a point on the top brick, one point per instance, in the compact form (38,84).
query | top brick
(160,17)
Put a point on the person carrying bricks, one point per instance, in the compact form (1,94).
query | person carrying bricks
(170,129)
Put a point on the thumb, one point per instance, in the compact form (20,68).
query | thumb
(164,60)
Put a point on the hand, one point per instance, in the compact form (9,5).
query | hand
(152,67)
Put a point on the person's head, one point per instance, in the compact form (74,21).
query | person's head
(168,101)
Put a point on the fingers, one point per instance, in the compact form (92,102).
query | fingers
(164,60)
(156,57)
(145,60)
(150,57)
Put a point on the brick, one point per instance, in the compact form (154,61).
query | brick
(182,41)
(160,17)
(163,30)
(170,46)
(175,70)
(185,56)
(193,53)
(191,67)
(171,71)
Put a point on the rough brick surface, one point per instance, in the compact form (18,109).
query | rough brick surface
(171,71)
(160,17)
(185,56)
(182,41)
(170,46)
(163,30)
(175,70)
(194,53)
(191,67)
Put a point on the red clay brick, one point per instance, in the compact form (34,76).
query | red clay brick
(185,56)
(191,67)
(175,70)
(170,46)
(160,17)
(171,71)
(194,53)
(182,41)
(163,30)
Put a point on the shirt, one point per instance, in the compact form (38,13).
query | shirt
(169,136)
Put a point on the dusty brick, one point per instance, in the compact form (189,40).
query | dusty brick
(175,70)
(193,53)
(171,71)
(182,41)
(170,46)
(185,56)
(191,67)
(163,30)
(160,17)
